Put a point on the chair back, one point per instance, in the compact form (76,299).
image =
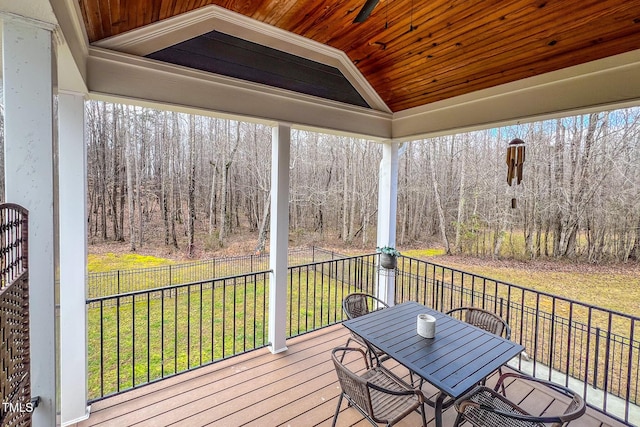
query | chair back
(359,304)
(483,319)
(482,404)
(576,408)
(352,385)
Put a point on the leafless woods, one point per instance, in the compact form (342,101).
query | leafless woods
(194,181)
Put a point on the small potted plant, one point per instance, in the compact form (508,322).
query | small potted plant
(388,257)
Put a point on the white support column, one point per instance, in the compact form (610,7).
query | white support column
(279,237)
(72,209)
(387,212)
(29,147)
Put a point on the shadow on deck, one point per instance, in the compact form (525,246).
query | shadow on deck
(298,387)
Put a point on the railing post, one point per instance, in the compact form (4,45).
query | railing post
(596,359)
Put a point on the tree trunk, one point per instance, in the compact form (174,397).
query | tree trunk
(174,212)
(438,200)
(123,188)
(345,194)
(138,172)
(130,189)
(212,198)
(191,193)
(460,219)
(353,200)
(264,226)
(117,233)
(103,175)
(225,213)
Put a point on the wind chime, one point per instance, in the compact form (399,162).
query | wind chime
(515,163)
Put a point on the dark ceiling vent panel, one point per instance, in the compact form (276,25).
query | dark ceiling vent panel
(230,56)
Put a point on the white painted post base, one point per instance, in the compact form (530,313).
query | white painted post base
(386,285)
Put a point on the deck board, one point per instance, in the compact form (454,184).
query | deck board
(297,387)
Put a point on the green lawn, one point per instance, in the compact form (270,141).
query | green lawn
(158,334)
(110,261)
(616,289)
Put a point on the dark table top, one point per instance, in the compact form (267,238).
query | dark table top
(460,355)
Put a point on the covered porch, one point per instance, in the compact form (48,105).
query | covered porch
(132,54)
(134,335)
(295,388)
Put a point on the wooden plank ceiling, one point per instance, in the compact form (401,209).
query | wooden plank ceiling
(415,52)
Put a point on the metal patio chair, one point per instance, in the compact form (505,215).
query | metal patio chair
(485,407)
(358,304)
(483,319)
(376,392)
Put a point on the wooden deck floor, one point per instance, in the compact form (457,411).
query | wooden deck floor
(295,388)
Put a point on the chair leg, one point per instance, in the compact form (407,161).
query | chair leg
(335,417)
(504,392)
(373,359)
(343,353)
(424,417)
(419,380)
(458,420)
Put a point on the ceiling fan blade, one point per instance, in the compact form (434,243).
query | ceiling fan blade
(366,10)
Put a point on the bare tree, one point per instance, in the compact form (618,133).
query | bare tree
(211,176)
(461,197)
(438,199)
(130,167)
(225,192)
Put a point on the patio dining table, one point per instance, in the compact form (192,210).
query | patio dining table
(455,360)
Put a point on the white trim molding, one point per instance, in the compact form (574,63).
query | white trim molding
(594,86)
(112,73)
(25,20)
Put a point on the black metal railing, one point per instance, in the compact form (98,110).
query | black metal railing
(148,335)
(316,290)
(102,284)
(144,336)
(588,348)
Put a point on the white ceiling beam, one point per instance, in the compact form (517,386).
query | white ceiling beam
(123,76)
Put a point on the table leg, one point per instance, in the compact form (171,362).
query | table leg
(438,408)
